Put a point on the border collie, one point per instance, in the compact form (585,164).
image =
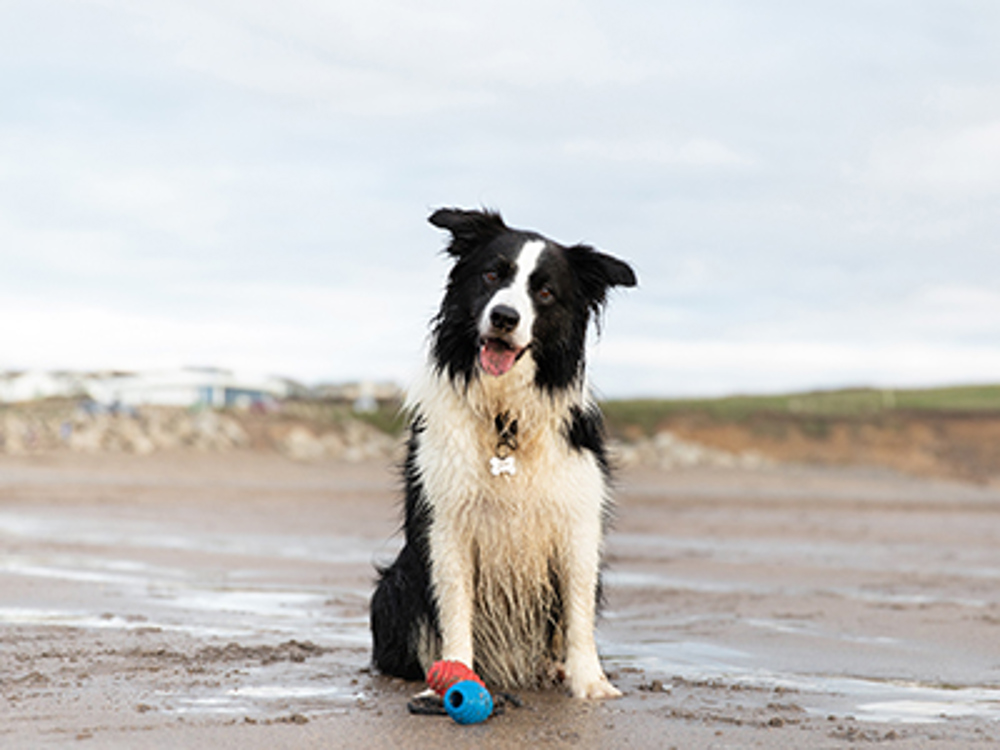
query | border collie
(506,474)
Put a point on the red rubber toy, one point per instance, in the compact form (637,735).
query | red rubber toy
(443,674)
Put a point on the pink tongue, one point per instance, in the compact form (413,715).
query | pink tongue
(496,358)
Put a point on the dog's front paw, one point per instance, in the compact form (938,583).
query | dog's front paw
(586,678)
(597,690)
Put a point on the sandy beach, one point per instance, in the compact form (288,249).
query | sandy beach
(188,600)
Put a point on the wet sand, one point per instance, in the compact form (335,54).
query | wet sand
(194,601)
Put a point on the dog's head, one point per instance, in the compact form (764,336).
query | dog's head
(513,293)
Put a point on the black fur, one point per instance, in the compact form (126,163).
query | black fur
(402,603)
(576,280)
(585,431)
(579,276)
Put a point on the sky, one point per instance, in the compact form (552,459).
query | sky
(808,191)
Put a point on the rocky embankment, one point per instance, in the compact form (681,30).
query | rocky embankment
(667,451)
(301,431)
(47,426)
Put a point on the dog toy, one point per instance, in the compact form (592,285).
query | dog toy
(466,698)
(468,702)
(443,674)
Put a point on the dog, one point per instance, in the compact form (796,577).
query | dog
(506,473)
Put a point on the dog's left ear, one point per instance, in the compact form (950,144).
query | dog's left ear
(597,273)
(469,229)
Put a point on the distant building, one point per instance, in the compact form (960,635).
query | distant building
(187,387)
(193,386)
(33,385)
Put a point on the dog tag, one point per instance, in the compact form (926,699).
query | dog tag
(500,466)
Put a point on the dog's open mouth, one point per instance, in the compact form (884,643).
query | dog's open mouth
(496,356)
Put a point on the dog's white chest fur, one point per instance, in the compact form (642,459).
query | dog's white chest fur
(508,536)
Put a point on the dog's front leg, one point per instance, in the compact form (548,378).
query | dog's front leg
(451,577)
(583,668)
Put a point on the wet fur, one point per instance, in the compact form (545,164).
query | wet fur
(502,572)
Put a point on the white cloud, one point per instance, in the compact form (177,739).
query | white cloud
(51,334)
(935,313)
(802,357)
(937,334)
(960,161)
(77,252)
(186,202)
(73,182)
(386,57)
(698,152)
(955,311)
(659,366)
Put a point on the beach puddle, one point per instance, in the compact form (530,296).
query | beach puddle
(257,702)
(978,704)
(735,671)
(141,535)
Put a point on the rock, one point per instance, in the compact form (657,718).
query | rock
(13,435)
(364,442)
(133,438)
(668,452)
(333,444)
(300,444)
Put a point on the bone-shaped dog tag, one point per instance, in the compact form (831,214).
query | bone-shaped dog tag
(500,466)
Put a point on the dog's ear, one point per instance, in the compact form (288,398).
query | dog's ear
(597,272)
(469,229)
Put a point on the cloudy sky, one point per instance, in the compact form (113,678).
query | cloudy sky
(808,191)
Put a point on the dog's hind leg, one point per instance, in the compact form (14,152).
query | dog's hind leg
(403,622)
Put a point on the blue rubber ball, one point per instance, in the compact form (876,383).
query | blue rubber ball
(468,702)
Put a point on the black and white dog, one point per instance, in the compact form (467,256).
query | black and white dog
(506,473)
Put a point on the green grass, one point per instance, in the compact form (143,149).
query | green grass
(648,414)
(975,398)
(387,418)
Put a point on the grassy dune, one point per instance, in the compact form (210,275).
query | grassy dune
(647,414)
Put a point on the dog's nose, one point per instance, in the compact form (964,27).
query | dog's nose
(504,319)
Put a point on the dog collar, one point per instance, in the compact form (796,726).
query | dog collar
(503,461)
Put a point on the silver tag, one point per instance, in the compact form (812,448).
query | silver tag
(500,466)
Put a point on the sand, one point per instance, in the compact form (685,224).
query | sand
(221,601)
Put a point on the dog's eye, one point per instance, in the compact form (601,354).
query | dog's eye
(545,295)
(491,277)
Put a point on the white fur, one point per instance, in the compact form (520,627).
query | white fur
(517,295)
(493,538)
